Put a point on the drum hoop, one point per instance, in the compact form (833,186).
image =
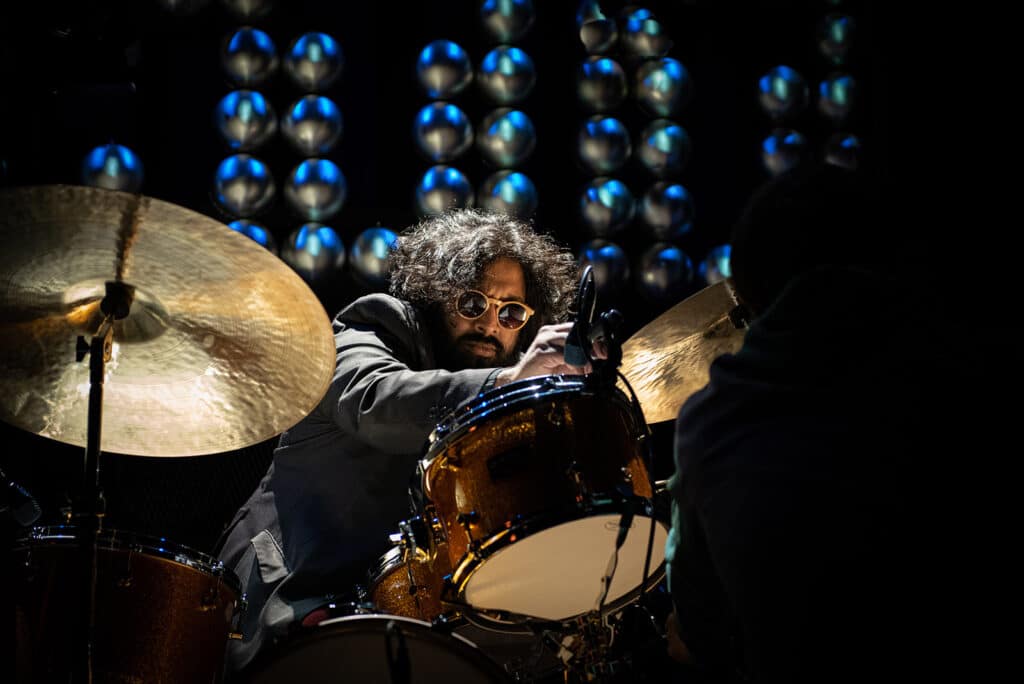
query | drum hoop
(376,617)
(394,558)
(120,540)
(458,422)
(473,560)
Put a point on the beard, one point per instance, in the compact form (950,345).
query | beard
(460,356)
(454,353)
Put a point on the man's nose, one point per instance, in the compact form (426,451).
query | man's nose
(489,319)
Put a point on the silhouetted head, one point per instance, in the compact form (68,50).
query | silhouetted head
(809,217)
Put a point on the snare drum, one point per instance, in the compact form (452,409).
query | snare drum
(532,483)
(163,612)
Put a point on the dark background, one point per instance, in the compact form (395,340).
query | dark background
(81,74)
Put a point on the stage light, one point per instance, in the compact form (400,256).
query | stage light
(506,21)
(114,167)
(249,9)
(782,92)
(245,119)
(782,150)
(606,206)
(610,265)
(243,185)
(645,37)
(603,144)
(663,86)
(315,252)
(249,57)
(716,266)
(601,84)
(443,69)
(836,95)
(843,149)
(664,148)
(369,256)
(314,61)
(256,232)
(443,188)
(835,36)
(313,125)
(666,273)
(316,189)
(507,74)
(506,138)
(667,209)
(442,131)
(508,192)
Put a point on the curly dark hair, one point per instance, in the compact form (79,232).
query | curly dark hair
(446,254)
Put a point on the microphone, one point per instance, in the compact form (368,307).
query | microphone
(23,507)
(577,344)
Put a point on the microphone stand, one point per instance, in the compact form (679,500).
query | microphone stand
(114,306)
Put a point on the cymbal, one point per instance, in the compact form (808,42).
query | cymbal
(224,345)
(670,358)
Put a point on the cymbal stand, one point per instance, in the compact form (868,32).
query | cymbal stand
(115,306)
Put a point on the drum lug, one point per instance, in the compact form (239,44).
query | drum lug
(627,475)
(437,531)
(235,636)
(556,414)
(467,520)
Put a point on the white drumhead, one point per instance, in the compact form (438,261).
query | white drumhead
(556,574)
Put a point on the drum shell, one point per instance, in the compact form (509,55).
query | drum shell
(557,445)
(162,612)
(357,648)
(410,583)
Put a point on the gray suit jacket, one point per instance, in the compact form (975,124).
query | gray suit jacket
(339,482)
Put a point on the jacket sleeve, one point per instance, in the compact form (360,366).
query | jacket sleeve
(384,393)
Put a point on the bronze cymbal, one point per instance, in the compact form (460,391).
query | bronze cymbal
(224,345)
(670,358)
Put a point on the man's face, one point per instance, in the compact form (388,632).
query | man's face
(483,342)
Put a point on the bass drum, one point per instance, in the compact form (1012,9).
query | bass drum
(163,612)
(375,648)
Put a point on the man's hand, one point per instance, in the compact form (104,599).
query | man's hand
(545,356)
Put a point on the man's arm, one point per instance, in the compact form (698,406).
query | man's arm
(379,394)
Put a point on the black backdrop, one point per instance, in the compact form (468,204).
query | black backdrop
(80,74)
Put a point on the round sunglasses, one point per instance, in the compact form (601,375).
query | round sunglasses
(512,315)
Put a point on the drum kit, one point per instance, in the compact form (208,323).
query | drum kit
(533,514)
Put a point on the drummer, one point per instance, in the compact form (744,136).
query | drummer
(476,301)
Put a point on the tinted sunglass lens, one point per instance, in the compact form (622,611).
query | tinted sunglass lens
(512,316)
(472,304)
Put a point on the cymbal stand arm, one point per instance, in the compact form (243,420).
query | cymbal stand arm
(99,353)
(115,306)
(606,331)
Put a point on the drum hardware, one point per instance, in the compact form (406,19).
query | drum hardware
(118,278)
(23,506)
(555,415)
(397,653)
(467,520)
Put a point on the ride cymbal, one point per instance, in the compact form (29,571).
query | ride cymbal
(670,358)
(224,345)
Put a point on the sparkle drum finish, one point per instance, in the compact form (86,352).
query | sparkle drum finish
(163,612)
(531,484)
